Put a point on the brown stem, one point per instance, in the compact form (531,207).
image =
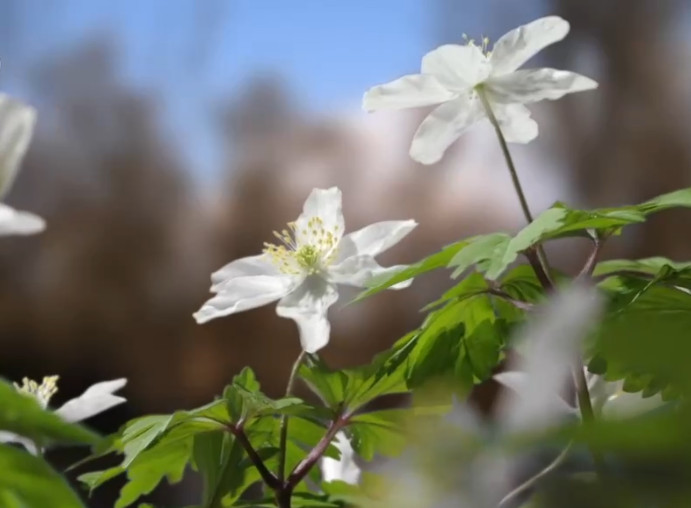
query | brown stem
(519,304)
(587,414)
(539,268)
(589,266)
(316,453)
(269,478)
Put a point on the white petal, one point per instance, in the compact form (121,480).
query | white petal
(410,91)
(515,122)
(533,85)
(327,205)
(519,382)
(17,122)
(628,405)
(358,271)
(308,306)
(345,469)
(517,46)
(458,68)
(444,126)
(375,238)
(251,265)
(550,343)
(10,437)
(244,293)
(15,222)
(96,399)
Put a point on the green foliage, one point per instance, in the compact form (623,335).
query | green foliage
(463,339)
(161,447)
(345,391)
(29,482)
(22,415)
(646,331)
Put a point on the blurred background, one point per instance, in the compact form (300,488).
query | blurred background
(175,135)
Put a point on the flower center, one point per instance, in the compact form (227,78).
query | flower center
(41,392)
(482,46)
(303,250)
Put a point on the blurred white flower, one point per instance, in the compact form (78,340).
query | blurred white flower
(96,399)
(16,128)
(611,402)
(303,270)
(461,77)
(550,345)
(344,469)
(464,462)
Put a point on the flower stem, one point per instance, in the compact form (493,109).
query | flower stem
(530,482)
(284,419)
(539,264)
(538,260)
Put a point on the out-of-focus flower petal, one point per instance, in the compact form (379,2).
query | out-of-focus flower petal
(412,91)
(516,123)
(534,85)
(17,122)
(551,342)
(344,469)
(458,68)
(443,126)
(15,222)
(516,47)
(96,399)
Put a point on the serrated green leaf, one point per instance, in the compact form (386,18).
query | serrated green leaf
(167,459)
(349,389)
(483,248)
(460,340)
(378,433)
(28,481)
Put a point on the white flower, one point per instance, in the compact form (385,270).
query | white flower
(458,77)
(96,399)
(611,402)
(16,127)
(303,270)
(344,469)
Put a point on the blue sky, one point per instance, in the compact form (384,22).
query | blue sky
(191,54)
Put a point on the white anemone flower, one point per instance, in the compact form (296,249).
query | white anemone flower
(344,469)
(468,79)
(96,399)
(16,128)
(303,270)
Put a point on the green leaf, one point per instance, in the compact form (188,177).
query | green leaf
(484,248)
(437,260)
(29,482)
(644,339)
(167,459)
(22,415)
(379,433)
(462,340)
(680,198)
(345,391)
(225,471)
